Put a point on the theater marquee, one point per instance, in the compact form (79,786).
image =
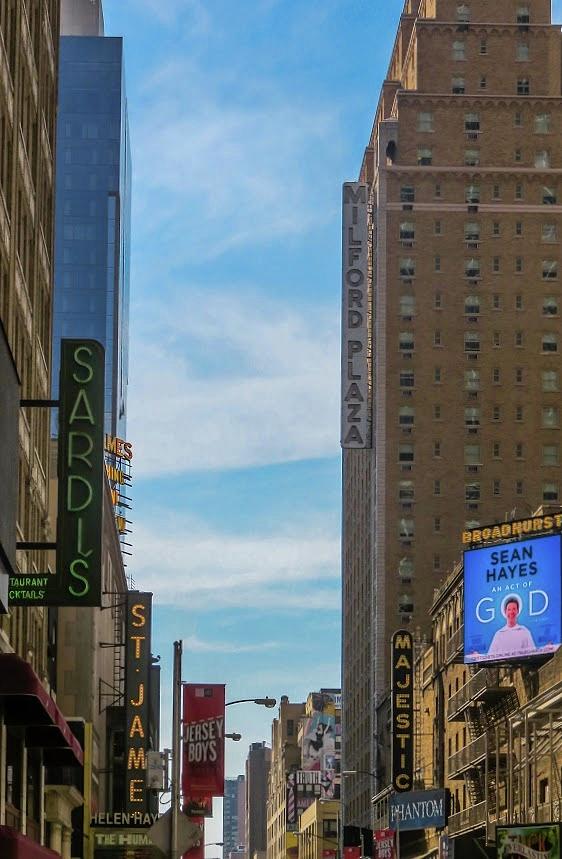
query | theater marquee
(137,700)
(355,358)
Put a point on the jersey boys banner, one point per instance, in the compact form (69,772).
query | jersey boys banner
(203,747)
(512,600)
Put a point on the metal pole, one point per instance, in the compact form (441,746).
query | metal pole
(176,747)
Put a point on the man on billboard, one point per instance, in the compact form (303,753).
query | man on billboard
(513,639)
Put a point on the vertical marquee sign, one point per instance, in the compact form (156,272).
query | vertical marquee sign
(80,491)
(137,699)
(203,747)
(402,711)
(355,359)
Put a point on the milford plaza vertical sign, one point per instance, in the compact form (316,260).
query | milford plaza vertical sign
(355,357)
(77,581)
(402,710)
(137,699)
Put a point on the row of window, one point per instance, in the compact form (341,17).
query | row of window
(473,305)
(522,14)
(541,160)
(473,340)
(472,231)
(541,122)
(547,195)
(472,267)
(473,457)
(473,491)
(550,418)
(549,379)
(407,415)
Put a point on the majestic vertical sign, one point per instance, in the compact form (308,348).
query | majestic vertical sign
(355,358)
(203,747)
(137,699)
(80,492)
(402,711)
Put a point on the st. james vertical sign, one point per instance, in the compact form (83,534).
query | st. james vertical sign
(137,699)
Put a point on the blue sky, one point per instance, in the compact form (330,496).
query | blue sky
(246,116)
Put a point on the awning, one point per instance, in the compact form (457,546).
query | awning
(25,702)
(14,845)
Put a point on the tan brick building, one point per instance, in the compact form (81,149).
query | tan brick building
(464,170)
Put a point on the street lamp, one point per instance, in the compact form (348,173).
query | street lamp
(214,844)
(236,737)
(359,772)
(263,702)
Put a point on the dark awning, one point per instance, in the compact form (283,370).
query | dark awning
(14,845)
(25,702)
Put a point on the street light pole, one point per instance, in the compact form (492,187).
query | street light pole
(176,749)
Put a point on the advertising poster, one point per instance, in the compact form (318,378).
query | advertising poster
(384,844)
(512,604)
(203,747)
(319,740)
(530,842)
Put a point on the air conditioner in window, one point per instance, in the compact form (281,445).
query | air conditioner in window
(406,393)
(472,356)
(406,467)
(408,243)
(472,469)
(473,245)
(473,430)
(472,135)
(473,395)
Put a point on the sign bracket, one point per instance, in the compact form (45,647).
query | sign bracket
(30,545)
(39,404)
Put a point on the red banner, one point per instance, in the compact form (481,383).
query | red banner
(197,852)
(203,747)
(352,852)
(384,844)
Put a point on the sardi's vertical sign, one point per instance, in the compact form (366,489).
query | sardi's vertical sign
(402,710)
(203,747)
(137,699)
(355,371)
(80,492)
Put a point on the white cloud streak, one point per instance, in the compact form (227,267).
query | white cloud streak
(232,382)
(197,645)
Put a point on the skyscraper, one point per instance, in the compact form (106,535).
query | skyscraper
(257,773)
(93,202)
(233,814)
(452,349)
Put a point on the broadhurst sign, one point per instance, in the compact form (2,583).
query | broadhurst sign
(512,600)
(355,358)
(418,809)
(402,710)
(80,492)
(137,699)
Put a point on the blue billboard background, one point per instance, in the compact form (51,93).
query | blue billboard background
(528,571)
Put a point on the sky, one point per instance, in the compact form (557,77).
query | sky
(246,117)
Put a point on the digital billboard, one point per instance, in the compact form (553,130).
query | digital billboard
(540,841)
(512,600)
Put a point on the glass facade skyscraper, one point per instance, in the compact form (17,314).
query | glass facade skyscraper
(93,211)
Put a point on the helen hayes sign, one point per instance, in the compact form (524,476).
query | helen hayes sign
(355,429)
(419,809)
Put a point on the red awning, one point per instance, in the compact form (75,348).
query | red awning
(25,702)
(14,845)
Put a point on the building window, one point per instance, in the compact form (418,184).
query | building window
(517,156)
(522,52)
(459,51)
(437,375)
(550,454)
(405,606)
(425,156)
(463,14)
(437,263)
(437,487)
(496,192)
(437,190)
(407,194)
(437,562)
(407,267)
(542,160)
(548,233)
(549,269)
(472,305)
(407,306)
(406,490)
(549,417)
(523,87)
(548,196)
(542,123)
(549,343)
(496,339)
(518,119)
(437,449)
(406,528)
(483,82)
(472,268)
(519,487)
(519,306)
(472,454)
(518,191)
(472,416)
(495,487)
(407,231)
(496,228)
(496,265)
(518,228)
(496,301)
(437,338)
(472,122)
(496,450)
(472,194)
(549,380)
(405,453)
(523,16)
(550,306)
(437,228)
(519,375)
(406,416)
(472,492)
(406,341)
(549,492)
(290,727)
(406,570)
(496,413)
(406,378)
(425,121)
(457,86)
(472,232)
(471,341)
(437,412)
(496,375)
(483,47)
(518,413)
(519,450)
(437,524)
(471,157)
(518,265)
(472,380)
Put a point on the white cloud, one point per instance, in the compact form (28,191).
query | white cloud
(189,564)
(231,382)
(198,645)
